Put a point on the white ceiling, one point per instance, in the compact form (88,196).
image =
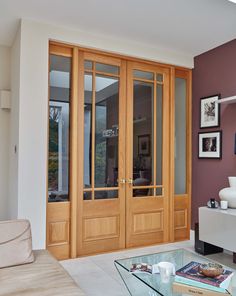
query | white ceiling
(187,26)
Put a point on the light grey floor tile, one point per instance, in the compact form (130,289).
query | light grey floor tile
(224,259)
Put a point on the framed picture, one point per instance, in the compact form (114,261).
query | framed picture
(209,112)
(210,144)
(144,145)
(235,144)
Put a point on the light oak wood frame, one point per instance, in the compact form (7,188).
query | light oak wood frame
(59,229)
(180,205)
(71,210)
(151,211)
(108,213)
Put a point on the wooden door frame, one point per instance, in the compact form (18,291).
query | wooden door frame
(165,140)
(183,201)
(76,150)
(59,214)
(82,204)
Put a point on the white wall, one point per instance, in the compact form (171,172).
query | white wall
(33,108)
(4,133)
(14,127)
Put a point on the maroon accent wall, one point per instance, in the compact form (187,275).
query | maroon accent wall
(214,72)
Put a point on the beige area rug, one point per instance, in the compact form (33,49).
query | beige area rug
(97,275)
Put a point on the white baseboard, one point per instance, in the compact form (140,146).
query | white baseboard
(228,252)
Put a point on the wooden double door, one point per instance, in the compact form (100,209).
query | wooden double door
(123,154)
(119,153)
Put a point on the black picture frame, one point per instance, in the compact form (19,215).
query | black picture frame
(210,145)
(144,145)
(209,111)
(235,144)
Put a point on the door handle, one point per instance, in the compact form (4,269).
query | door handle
(130,181)
(122,181)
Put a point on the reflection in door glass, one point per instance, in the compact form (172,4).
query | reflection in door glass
(88,94)
(106,194)
(159,77)
(142,134)
(107,68)
(106,128)
(159,191)
(87,195)
(88,65)
(141,192)
(159,139)
(180,136)
(59,117)
(143,74)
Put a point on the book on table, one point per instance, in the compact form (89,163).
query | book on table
(190,275)
(191,290)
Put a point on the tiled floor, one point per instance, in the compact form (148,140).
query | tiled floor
(97,275)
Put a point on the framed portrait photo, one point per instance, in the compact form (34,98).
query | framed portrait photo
(144,145)
(210,145)
(209,112)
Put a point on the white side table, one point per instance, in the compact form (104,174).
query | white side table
(218,227)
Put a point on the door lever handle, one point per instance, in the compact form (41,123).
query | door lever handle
(122,181)
(130,181)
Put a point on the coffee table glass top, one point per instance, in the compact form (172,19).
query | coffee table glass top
(150,284)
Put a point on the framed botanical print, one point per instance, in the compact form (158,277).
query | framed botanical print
(210,144)
(209,112)
(144,145)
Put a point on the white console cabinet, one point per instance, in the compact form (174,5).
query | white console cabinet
(218,227)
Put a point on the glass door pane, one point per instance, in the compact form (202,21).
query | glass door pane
(142,137)
(101,130)
(147,133)
(106,129)
(159,135)
(147,159)
(88,97)
(101,207)
(59,120)
(180,135)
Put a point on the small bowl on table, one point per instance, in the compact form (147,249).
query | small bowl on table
(211,269)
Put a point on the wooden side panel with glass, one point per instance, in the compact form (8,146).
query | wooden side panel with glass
(58,205)
(182,154)
(147,169)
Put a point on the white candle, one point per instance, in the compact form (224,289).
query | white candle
(224,204)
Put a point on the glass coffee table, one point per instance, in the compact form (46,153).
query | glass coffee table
(145,284)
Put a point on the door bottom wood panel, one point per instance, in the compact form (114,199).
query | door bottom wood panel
(58,229)
(181,217)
